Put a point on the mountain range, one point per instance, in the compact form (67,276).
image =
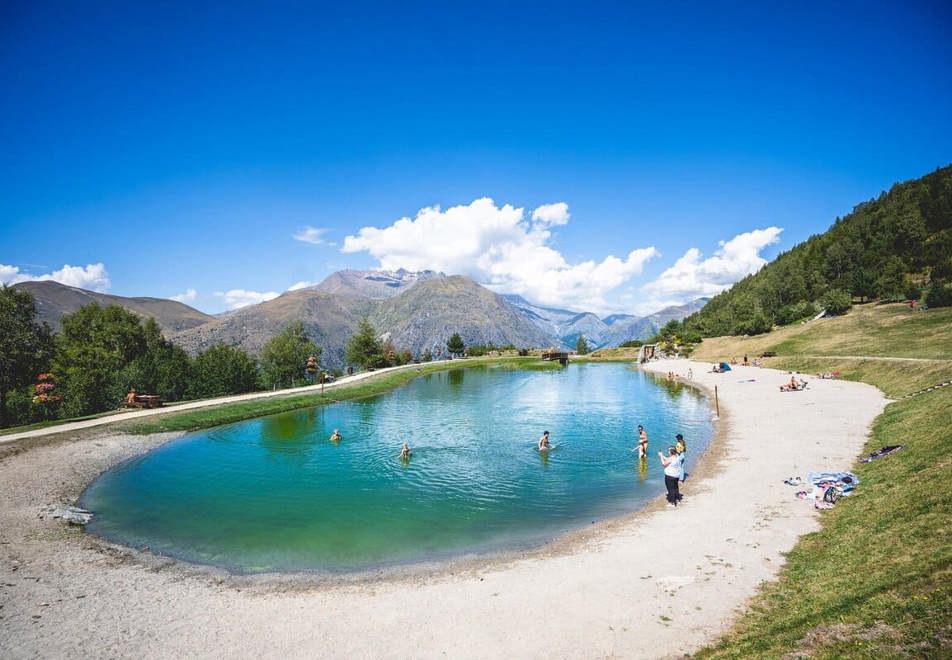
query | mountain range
(55,300)
(416,311)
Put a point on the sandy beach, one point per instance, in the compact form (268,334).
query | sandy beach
(656,583)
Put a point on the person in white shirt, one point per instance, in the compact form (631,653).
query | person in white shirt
(672,474)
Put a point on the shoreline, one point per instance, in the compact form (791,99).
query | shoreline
(593,568)
(563,542)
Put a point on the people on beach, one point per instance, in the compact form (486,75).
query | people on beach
(746,361)
(794,385)
(336,436)
(690,374)
(405,452)
(672,474)
(682,448)
(642,442)
(544,444)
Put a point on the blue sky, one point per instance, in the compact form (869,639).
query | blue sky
(182,148)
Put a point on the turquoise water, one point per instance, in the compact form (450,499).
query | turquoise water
(274,494)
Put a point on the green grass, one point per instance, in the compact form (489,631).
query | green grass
(869,330)
(876,580)
(608,355)
(895,380)
(189,420)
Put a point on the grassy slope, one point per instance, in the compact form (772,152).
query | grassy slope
(609,355)
(881,333)
(876,580)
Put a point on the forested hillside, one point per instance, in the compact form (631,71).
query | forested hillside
(897,246)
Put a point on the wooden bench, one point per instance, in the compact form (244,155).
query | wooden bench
(143,401)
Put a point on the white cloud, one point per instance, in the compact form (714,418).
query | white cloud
(500,248)
(188,296)
(552,214)
(8,274)
(238,298)
(312,235)
(303,284)
(692,277)
(92,276)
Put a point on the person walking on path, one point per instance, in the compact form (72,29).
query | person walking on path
(672,474)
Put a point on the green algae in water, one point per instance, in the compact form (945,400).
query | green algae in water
(274,494)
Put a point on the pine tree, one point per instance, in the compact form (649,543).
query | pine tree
(364,348)
(455,345)
(581,346)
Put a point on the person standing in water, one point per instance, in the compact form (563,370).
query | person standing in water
(405,452)
(336,436)
(544,441)
(672,474)
(642,442)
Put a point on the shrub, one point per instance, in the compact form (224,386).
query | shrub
(939,295)
(758,324)
(631,343)
(793,313)
(836,301)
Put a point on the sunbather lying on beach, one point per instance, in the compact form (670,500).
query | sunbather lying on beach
(794,385)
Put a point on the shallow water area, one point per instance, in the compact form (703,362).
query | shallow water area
(275,494)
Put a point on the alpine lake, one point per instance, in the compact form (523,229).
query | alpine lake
(275,494)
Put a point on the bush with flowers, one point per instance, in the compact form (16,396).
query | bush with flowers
(44,392)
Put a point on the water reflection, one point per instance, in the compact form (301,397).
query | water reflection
(290,434)
(642,469)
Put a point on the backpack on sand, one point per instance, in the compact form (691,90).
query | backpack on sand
(831,495)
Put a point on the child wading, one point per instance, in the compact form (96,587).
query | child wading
(672,474)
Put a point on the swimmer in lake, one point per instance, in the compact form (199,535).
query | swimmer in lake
(336,436)
(642,442)
(405,452)
(544,441)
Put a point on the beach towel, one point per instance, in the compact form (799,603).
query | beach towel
(844,477)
